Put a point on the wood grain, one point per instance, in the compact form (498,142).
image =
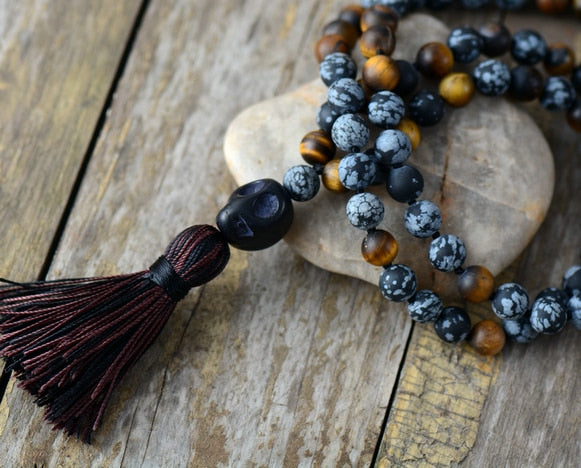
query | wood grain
(276,362)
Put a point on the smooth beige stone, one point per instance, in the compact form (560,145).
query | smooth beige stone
(487,166)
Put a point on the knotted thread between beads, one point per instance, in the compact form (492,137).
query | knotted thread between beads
(163,274)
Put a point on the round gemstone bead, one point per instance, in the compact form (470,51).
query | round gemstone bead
(352,14)
(423,218)
(510,301)
(397,283)
(559,60)
(554,294)
(365,210)
(425,306)
(476,283)
(330,43)
(465,43)
(434,60)
(392,147)
(357,171)
(496,39)
(350,132)
(377,40)
(457,89)
(574,310)
(558,93)
(344,29)
(401,7)
(326,117)
(302,182)
(404,183)
(385,109)
(453,324)
(379,14)
(528,47)
(572,280)
(379,247)
(520,330)
(317,147)
(330,177)
(447,253)
(411,129)
(336,66)
(380,72)
(491,77)
(552,6)
(576,78)
(487,338)
(548,315)
(408,78)
(526,83)
(426,108)
(346,95)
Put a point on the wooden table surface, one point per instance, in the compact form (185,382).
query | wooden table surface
(112,121)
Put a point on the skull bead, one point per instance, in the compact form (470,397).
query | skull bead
(257,215)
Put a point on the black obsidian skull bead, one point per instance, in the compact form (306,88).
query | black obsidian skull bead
(257,215)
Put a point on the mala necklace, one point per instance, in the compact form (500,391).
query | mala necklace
(70,342)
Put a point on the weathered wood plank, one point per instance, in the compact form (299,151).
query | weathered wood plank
(274,362)
(455,407)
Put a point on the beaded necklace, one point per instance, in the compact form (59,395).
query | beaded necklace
(109,321)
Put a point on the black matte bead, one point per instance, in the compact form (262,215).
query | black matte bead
(257,215)
(496,39)
(408,78)
(426,108)
(405,183)
(526,83)
(453,324)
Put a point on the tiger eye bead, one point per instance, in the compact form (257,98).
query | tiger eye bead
(559,59)
(317,147)
(379,15)
(411,129)
(380,72)
(379,247)
(377,40)
(329,44)
(344,29)
(330,177)
(487,338)
(434,60)
(476,283)
(457,89)
(552,6)
(352,14)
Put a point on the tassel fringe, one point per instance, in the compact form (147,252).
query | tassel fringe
(70,342)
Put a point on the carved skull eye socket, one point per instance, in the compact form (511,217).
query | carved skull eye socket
(266,205)
(251,188)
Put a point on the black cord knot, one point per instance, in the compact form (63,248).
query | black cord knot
(163,274)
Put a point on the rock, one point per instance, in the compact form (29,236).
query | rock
(487,166)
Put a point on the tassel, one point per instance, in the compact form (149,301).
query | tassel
(70,342)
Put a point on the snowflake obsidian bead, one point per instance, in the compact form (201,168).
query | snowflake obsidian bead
(365,210)
(346,95)
(572,279)
(520,330)
(510,301)
(574,310)
(357,171)
(326,117)
(336,66)
(528,47)
(548,315)
(397,283)
(558,93)
(465,43)
(350,132)
(423,218)
(425,306)
(453,325)
(385,109)
(392,147)
(302,182)
(491,77)
(447,253)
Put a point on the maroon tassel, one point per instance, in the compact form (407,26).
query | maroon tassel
(70,342)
